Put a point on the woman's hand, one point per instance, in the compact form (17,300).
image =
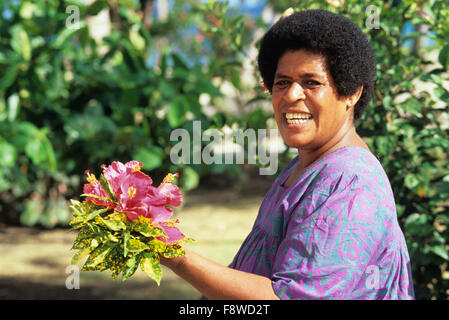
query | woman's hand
(215,281)
(171,263)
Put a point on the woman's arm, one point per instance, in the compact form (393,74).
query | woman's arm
(219,282)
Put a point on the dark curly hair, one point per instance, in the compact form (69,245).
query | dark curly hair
(350,57)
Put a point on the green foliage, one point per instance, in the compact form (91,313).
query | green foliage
(111,242)
(70,100)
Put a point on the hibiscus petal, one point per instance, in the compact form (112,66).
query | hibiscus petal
(115,173)
(97,190)
(172,193)
(138,182)
(132,215)
(133,165)
(173,234)
(159,214)
(156,197)
(115,169)
(133,209)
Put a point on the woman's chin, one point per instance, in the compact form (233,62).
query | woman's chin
(296,141)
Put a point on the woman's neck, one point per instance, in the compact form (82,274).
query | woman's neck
(349,137)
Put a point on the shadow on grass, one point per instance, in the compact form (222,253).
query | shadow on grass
(26,289)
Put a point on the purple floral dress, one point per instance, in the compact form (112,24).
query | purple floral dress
(333,234)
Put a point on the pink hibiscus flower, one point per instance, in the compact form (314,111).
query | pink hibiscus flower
(136,196)
(153,204)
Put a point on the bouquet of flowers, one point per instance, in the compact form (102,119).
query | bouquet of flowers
(124,222)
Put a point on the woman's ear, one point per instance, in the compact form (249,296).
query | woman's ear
(353,99)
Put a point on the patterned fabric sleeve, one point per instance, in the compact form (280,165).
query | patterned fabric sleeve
(330,240)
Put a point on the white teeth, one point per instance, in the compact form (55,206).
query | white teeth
(298,116)
(296,121)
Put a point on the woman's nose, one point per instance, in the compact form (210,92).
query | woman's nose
(294,92)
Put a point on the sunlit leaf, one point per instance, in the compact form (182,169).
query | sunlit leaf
(151,267)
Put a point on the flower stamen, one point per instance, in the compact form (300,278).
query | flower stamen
(136,167)
(91,178)
(132,192)
(170,177)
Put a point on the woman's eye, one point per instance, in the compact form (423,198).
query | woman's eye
(312,83)
(281,83)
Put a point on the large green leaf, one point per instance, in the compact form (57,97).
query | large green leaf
(33,210)
(151,157)
(66,34)
(190,178)
(20,42)
(9,76)
(177,111)
(440,250)
(96,6)
(13,104)
(8,154)
(443,57)
(37,146)
(418,225)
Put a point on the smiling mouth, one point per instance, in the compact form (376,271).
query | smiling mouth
(297,118)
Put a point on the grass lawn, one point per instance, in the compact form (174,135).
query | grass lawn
(33,261)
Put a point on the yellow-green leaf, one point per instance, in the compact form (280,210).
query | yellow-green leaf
(76,207)
(77,222)
(118,216)
(116,262)
(186,239)
(156,245)
(173,251)
(126,238)
(151,267)
(79,255)
(81,243)
(135,245)
(147,229)
(107,187)
(114,225)
(95,213)
(131,266)
(97,258)
(96,197)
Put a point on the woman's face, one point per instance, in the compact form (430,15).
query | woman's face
(307,107)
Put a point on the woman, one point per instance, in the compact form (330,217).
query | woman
(327,228)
